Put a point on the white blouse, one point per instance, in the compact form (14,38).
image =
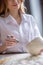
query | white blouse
(24,33)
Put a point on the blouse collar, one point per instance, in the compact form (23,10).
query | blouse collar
(10,18)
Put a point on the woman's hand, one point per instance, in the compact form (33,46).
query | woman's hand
(11,41)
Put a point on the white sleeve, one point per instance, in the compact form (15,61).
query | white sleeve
(34,29)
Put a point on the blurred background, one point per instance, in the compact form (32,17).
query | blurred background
(35,7)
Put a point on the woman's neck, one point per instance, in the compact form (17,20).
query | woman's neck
(14,14)
(17,16)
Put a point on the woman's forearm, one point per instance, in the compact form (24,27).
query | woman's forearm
(2,48)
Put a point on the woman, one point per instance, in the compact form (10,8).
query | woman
(17,29)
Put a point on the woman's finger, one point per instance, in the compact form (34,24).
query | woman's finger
(12,43)
(8,43)
(12,40)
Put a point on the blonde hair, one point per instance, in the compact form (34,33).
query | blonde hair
(4,10)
